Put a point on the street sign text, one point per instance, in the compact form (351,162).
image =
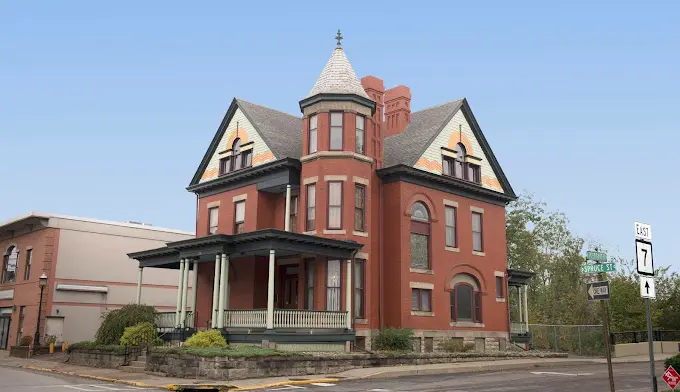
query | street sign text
(597,290)
(596,256)
(671,377)
(643,231)
(645,259)
(597,268)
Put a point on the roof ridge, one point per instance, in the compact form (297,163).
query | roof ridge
(440,105)
(267,107)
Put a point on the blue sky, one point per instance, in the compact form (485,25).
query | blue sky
(106,109)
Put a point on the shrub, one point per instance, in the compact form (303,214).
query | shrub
(142,334)
(394,339)
(115,321)
(456,346)
(26,340)
(673,361)
(203,339)
(109,348)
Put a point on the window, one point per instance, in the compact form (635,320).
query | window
(29,259)
(309,298)
(421,300)
(359,295)
(466,303)
(420,236)
(311,208)
(247,158)
(335,205)
(236,155)
(333,286)
(312,134)
(336,131)
(359,138)
(225,165)
(239,216)
(9,265)
(20,327)
(293,213)
(473,173)
(459,163)
(447,166)
(499,287)
(477,242)
(213,216)
(451,239)
(359,207)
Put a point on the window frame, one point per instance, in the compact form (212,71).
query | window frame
(29,261)
(359,311)
(330,131)
(236,156)
(308,226)
(316,134)
(4,275)
(224,166)
(363,135)
(241,223)
(217,220)
(448,165)
(422,227)
(337,288)
(454,226)
(293,213)
(500,291)
(247,158)
(481,231)
(309,284)
(475,304)
(328,205)
(419,293)
(361,187)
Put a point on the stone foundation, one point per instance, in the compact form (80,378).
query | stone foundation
(429,341)
(95,358)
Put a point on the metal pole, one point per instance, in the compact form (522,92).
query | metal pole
(605,333)
(557,348)
(580,350)
(650,339)
(36,338)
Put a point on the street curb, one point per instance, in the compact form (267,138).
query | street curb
(283,383)
(98,378)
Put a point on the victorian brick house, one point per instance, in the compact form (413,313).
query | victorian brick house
(318,230)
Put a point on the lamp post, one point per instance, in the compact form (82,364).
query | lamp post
(42,282)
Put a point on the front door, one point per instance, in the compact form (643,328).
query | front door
(5,322)
(289,287)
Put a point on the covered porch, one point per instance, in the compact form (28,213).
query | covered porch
(266,285)
(518,289)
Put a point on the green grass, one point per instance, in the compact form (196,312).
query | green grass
(243,351)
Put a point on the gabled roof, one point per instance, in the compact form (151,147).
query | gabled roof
(406,147)
(338,77)
(281,132)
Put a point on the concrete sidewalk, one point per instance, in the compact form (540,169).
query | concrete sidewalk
(160,381)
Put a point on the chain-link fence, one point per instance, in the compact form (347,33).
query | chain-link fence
(586,340)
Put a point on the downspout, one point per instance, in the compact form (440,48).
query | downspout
(196,229)
(380,259)
(507,303)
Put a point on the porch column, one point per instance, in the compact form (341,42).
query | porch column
(348,294)
(179,291)
(519,303)
(287,219)
(185,294)
(526,308)
(139,285)
(223,288)
(194,285)
(270,290)
(216,287)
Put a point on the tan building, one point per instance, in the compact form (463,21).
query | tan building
(88,271)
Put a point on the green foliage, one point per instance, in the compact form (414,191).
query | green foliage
(673,361)
(115,321)
(142,334)
(456,346)
(204,339)
(86,345)
(394,339)
(242,351)
(26,340)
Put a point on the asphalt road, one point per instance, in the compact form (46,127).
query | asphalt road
(21,380)
(591,378)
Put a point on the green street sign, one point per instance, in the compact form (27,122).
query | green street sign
(596,256)
(597,268)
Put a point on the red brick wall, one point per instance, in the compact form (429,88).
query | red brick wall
(27,292)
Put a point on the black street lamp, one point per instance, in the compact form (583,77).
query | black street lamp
(42,283)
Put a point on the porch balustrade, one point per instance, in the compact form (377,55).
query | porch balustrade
(285,318)
(165,321)
(519,328)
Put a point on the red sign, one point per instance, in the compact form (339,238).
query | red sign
(671,377)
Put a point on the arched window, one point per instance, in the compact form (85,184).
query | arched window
(466,299)
(236,155)
(9,265)
(459,165)
(420,236)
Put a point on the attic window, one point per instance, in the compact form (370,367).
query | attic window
(238,159)
(458,164)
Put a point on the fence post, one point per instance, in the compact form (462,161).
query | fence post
(635,337)
(557,349)
(580,351)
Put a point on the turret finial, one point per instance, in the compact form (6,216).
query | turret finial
(339,38)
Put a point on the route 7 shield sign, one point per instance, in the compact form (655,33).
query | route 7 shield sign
(671,377)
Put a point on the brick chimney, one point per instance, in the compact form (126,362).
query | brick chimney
(397,110)
(375,89)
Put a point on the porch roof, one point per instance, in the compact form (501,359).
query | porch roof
(518,277)
(254,243)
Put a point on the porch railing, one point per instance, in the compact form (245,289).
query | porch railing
(166,320)
(518,328)
(286,318)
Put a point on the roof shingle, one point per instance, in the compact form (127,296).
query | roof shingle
(281,131)
(338,77)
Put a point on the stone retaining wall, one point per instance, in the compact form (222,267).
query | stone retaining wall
(96,358)
(234,368)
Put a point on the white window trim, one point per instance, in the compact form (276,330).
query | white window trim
(310,180)
(466,324)
(82,288)
(327,231)
(361,256)
(477,209)
(240,197)
(450,203)
(451,249)
(421,285)
(475,253)
(334,178)
(213,204)
(421,313)
(360,180)
(421,271)
(360,233)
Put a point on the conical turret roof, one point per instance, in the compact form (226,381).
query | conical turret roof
(338,77)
